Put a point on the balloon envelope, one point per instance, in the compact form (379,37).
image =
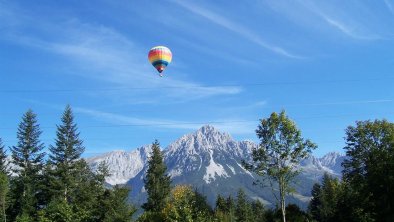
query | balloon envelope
(160,57)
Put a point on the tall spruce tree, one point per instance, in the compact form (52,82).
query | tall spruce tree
(3,159)
(4,182)
(27,156)
(4,188)
(157,182)
(315,203)
(64,155)
(231,208)
(258,211)
(221,204)
(324,203)
(280,151)
(243,210)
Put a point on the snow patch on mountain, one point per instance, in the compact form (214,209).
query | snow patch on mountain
(175,172)
(214,169)
(231,168)
(245,171)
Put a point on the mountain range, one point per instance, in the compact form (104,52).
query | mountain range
(210,161)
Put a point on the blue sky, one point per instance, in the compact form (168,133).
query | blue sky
(327,63)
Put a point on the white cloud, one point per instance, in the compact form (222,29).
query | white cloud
(102,54)
(347,29)
(356,22)
(233,126)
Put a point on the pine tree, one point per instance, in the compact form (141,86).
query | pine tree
(4,187)
(113,205)
(221,204)
(3,159)
(231,208)
(295,214)
(27,156)
(243,210)
(315,203)
(329,198)
(86,194)
(221,211)
(258,211)
(325,198)
(63,156)
(157,183)
(281,149)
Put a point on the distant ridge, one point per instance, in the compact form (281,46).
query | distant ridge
(210,161)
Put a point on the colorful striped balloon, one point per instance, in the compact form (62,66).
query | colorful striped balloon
(160,57)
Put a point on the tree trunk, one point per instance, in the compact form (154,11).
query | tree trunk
(282,199)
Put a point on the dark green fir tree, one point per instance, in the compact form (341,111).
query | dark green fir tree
(243,210)
(3,159)
(315,203)
(27,156)
(64,156)
(157,182)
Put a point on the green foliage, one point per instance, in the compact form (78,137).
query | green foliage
(231,207)
(221,204)
(113,205)
(157,183)
(315,203)
(90,201)
(59,211)
(349,208)
(23,218)
(281,148)
(295,214)
(66,189)
(28,157)
(3,159)
(228,210)
(149,216)
(64,156)
(4,188)
(258,211)
(243,210)
(186,205)
(225,209)
(369,168)
(324,204)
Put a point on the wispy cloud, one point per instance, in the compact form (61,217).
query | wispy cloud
(234,27)
(390,5)
(357,22)
(346,29)
(234,126)
(103,54)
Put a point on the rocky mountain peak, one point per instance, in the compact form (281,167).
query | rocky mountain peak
(211,135)
(201,141)
(330,158)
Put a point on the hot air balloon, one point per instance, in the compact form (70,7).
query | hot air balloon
(160,57)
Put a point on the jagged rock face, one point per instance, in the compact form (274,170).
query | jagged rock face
(122,165)
(333,161)
(208,152)
(210,161)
